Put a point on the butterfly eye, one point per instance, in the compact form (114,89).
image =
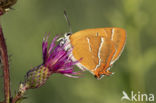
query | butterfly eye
(61,41)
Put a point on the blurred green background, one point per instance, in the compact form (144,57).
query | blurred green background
(135,71)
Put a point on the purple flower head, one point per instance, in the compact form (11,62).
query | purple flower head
(55,60)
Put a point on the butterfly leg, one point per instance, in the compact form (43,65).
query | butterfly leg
(108,64)
(107,73)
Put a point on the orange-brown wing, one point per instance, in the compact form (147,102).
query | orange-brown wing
(98,48)
(83,48)
(89,45)
(119,39)
(117,35)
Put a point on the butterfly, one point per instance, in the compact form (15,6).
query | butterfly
(96,49)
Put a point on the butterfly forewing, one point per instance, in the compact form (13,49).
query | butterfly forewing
(82,48)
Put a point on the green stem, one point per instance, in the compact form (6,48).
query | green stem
(20,94)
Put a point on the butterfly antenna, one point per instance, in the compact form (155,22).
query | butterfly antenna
(68,22)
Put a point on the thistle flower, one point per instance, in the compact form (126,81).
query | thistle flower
(55,60)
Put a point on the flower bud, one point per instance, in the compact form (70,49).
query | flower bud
(37,76)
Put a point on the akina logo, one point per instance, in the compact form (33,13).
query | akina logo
(137,96)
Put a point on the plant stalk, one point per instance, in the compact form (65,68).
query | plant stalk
(4,60)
